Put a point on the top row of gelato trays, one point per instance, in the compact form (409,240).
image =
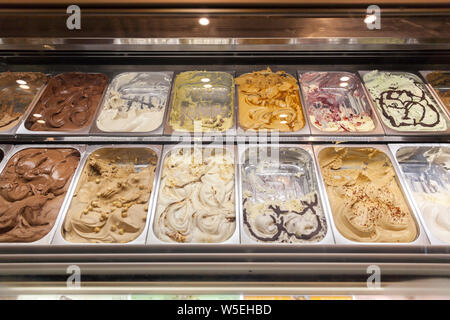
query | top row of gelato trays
(213,102)
(215,194)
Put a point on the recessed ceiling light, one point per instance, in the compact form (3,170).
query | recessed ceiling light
(21,81)
(24,86)
(203,21)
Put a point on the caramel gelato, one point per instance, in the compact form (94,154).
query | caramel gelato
(365,198)
(32,189)
(440,81)
(196,197)
(17,90)
(68,103)
(269,100)
(110,204)
(202,102)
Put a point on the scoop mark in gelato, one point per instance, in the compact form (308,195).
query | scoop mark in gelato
(269,100)
(110,204)
(32,189)
(196,197)
(366,200)
(68,102)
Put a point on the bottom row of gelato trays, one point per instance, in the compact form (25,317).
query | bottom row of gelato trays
(290,195)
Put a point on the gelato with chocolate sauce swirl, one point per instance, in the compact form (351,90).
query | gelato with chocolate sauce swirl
(32,189)
(68,103)
(404,102)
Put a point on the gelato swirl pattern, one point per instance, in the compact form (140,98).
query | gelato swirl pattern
(32,189)
(296,220)
(110,204)
(404,102)
(366,200)
(68,103)
(196,197)
(269,100)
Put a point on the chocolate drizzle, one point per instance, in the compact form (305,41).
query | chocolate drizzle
(406,100)
(279,222)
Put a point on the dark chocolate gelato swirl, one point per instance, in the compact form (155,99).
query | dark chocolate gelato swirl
(68,103)
(32,189)
(274,224)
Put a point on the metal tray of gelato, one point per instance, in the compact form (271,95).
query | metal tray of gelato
(366,197)
(337,103)
(36,180)
(196,197)
(135,104)
(202,102)
(439,83)
(405,104)
(111,201)
(269,102)
(67,105)
(426,170)
(280,200)
(18,91)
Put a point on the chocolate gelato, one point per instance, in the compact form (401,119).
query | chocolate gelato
(32,189)
(68,103)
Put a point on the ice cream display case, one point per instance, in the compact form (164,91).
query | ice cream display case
(225,151)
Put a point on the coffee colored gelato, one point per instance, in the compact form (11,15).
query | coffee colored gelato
(196,197)
(404,102)
(110,204)
(269,100)
(68,103)
(202,102)
(32,189)
(365,197)
(440,81)
(17,90)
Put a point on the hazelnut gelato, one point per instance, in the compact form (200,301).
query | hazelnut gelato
(110,204)
(32,189)
(440,81)
(366,200)
(269,100)
(196,197)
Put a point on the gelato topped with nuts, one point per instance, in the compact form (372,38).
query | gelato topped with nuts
(110,203)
